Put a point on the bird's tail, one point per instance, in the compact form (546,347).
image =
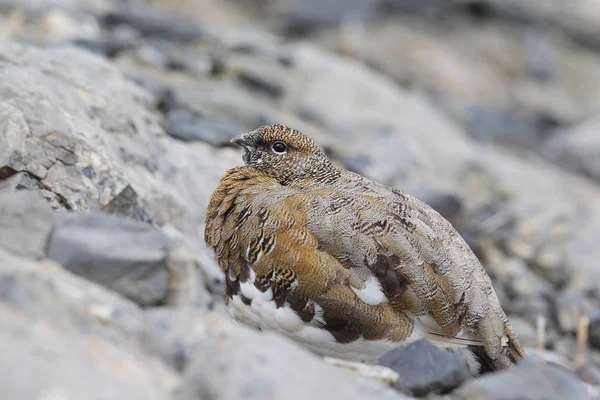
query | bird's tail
(510,355)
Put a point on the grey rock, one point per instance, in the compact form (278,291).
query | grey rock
(512,128)
(220,101)
(126,203)
(261,83)
(531,379)
(185,58)
(414,6)
(178,336)
(245,364)
(64,337)
(302,16)
(152,23)
(188,126)
(66,151)
(169,333)
(424,368)
(25,223)
(126,256)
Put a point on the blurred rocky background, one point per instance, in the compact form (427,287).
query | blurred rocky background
(115,117)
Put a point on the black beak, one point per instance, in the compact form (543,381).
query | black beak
(241,140)
(246,142)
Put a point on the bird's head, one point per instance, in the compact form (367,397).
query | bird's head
(285,154)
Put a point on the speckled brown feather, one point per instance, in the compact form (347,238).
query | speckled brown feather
(312,232)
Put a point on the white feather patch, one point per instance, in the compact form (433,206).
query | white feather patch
(252,293)
(372,294)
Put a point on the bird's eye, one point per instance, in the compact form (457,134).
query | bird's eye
(279,147)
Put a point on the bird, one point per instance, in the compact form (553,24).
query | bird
(346,266)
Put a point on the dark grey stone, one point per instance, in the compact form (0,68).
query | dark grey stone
(303,16)
(124,255)
(189,126)
(184,58)
(424,368)
(532,379)
(510,127)
(262,83)
(127,203)
(414,6)
(152,23)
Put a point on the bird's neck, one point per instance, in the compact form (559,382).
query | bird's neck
(323,174)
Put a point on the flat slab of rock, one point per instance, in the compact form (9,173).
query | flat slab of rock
(127,256)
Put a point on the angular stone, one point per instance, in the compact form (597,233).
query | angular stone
(127,204)
(424,368)
(126,256)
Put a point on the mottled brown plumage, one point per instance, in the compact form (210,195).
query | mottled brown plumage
(356,262)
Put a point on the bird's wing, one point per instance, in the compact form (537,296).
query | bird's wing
(408,255)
